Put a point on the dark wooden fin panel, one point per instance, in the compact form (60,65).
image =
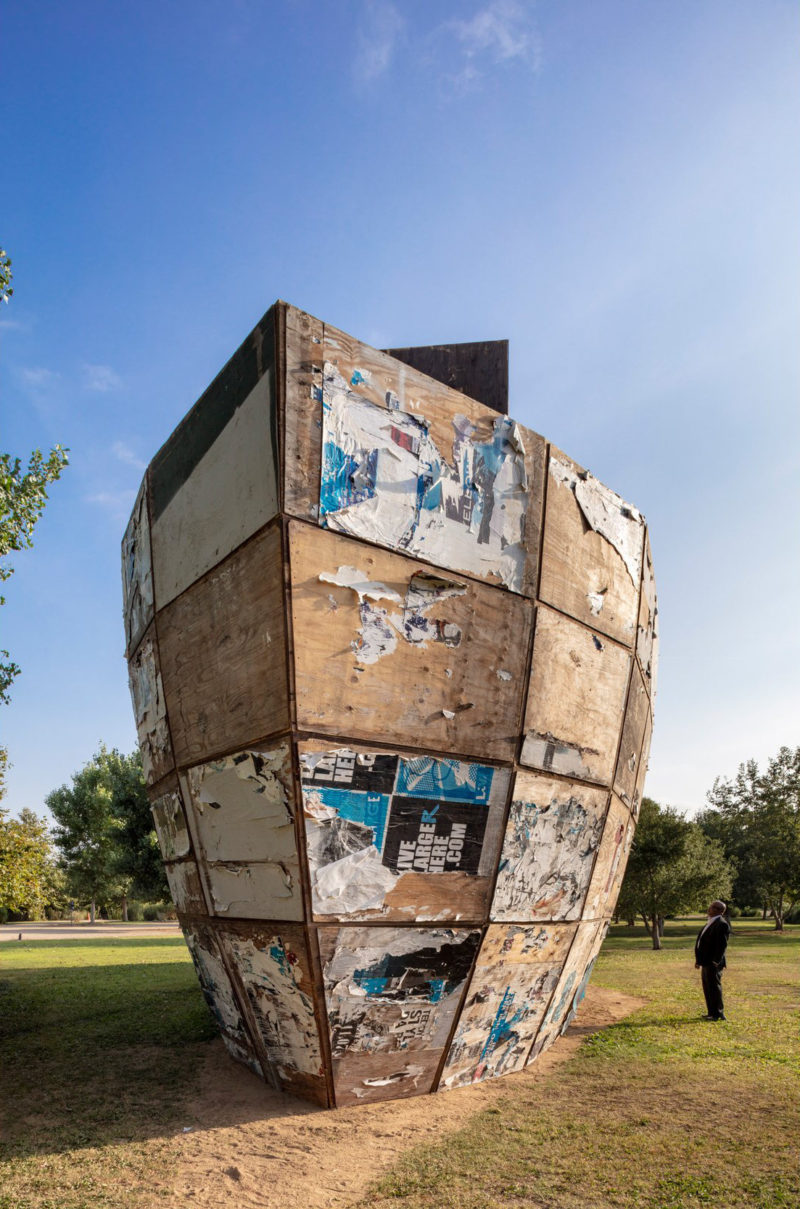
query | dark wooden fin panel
(478,369)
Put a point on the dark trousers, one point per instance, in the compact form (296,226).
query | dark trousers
(712,989)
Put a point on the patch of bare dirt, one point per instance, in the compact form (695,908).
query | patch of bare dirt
(252,1148)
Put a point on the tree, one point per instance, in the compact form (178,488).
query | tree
(23,495)
(138,855)
(673,867)
(87,833)
(106,835)
(28,878)
(757,818)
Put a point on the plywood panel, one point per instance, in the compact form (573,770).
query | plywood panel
(572,984)
(398,837)
(302,413)
(226,496)
(641,772)
(554,829)
(137,573)
(592,551)
(215,983)
(515,974)
(150,709)
(170,824)
(385,650)
(223,654)
(478,368)
(413,466)
(647,632)
(630,752)
(242,813)
(274,966)
(576,700)
(609,867)
(185,887)
(391,995)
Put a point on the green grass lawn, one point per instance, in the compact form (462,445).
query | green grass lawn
(101,1043)
(661,1111)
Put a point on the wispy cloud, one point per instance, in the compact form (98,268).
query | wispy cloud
(380,28)
(117,504)
(37,378)
(101,378)
(126,455)
(497,33)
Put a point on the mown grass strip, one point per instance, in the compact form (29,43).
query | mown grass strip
(100,1044)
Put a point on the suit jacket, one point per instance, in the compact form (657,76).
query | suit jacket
(711,943)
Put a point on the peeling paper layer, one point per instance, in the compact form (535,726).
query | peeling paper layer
(384,479)
(214,982)
(150,711)
(395,990)
(515,974)
(170,823)
(371,817)
(241,812)
(271,972)
(607,513)
(548,853)
(572,985)
(137,572)
(381,630)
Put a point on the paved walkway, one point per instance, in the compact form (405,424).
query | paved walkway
(106,929)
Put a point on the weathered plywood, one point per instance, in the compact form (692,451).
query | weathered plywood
(400,837)
(554,829)
(413,466)
(275,969)
(302,423)
(576,700)
(185,887)
(214,482)
(630,752)
(137,573)
(592,551)
(515,975)
(223,654)
(385,650)
(215,983)
(610,864)
(150,709)
(641,772)
(391,995)
(170,824)
(242,814)
(572,984)
(647,632)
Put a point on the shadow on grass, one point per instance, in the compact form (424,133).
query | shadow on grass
(108,1053)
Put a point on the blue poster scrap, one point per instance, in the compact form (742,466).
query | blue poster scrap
(423,815)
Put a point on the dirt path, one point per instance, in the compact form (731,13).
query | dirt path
(251,1148)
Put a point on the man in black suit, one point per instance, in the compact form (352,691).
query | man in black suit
(709,958)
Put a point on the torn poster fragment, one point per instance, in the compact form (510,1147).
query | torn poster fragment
(515,974)
(137,572)
(385,480)
(371,817)
(609,515)
(395,990)
(381,630)
(241,812)
(552,836)
(271,968)
(150,711)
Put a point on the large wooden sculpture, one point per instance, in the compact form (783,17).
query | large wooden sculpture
(392,661)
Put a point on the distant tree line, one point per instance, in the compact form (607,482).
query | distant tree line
(102,852)
(745,849)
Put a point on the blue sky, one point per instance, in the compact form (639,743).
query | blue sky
(614,186)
